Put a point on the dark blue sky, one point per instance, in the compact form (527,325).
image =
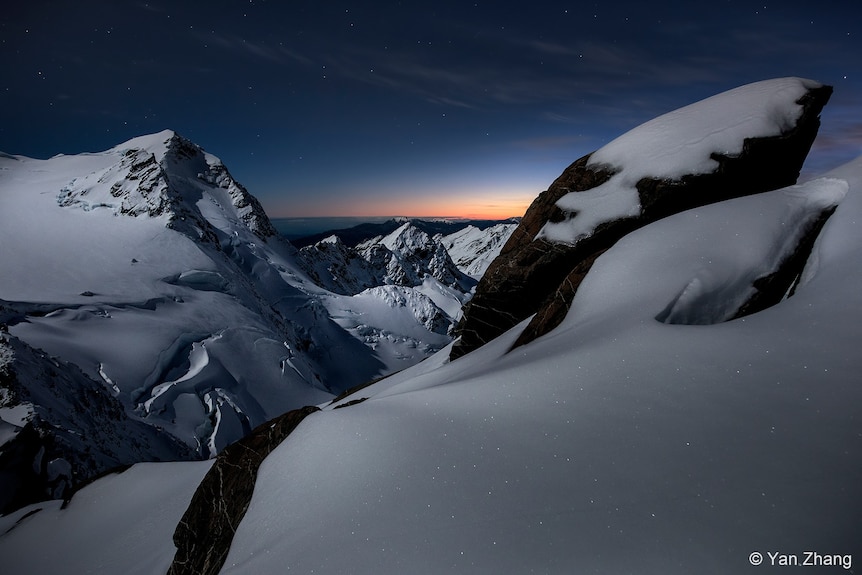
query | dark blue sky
(388,108)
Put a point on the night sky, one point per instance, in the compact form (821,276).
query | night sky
(404,108)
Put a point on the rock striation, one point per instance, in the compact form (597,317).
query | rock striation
(204,533)
(535,276)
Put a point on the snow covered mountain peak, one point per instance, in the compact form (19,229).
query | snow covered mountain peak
(153,273)
(156,143)
(166,175)
(408,254)
(407,237)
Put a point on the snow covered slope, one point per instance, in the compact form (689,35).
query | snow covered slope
(614,444)
(131,535)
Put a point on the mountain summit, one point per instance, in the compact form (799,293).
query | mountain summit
(167,175)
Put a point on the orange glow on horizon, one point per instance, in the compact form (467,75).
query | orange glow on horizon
(479,208)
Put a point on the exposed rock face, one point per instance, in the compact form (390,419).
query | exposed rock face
(473,249)
(167,183)
(402,258)
(333,265)
(537,276)
(204,534)
(60,428)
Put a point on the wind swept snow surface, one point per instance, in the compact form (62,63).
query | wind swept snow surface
(615,443)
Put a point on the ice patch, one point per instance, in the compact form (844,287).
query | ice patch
(198,360)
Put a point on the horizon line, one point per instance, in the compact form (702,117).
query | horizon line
(392,217)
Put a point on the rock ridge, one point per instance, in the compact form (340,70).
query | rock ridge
(537,276)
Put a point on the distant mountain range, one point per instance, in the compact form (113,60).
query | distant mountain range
(351,236)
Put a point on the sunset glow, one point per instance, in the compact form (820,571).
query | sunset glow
(441,206)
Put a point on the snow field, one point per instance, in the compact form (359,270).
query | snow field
(615,443)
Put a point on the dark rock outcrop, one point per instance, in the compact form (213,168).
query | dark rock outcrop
(536,276)
(69,428)
(402,258)
(204,534)
(773,287)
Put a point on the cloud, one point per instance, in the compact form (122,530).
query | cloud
(548,143)
(149,7)
(552,48)
(278,54)
(845,136)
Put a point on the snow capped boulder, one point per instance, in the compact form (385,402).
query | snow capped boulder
(745,141)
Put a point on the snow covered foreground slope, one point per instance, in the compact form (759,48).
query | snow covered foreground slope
(615,443)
